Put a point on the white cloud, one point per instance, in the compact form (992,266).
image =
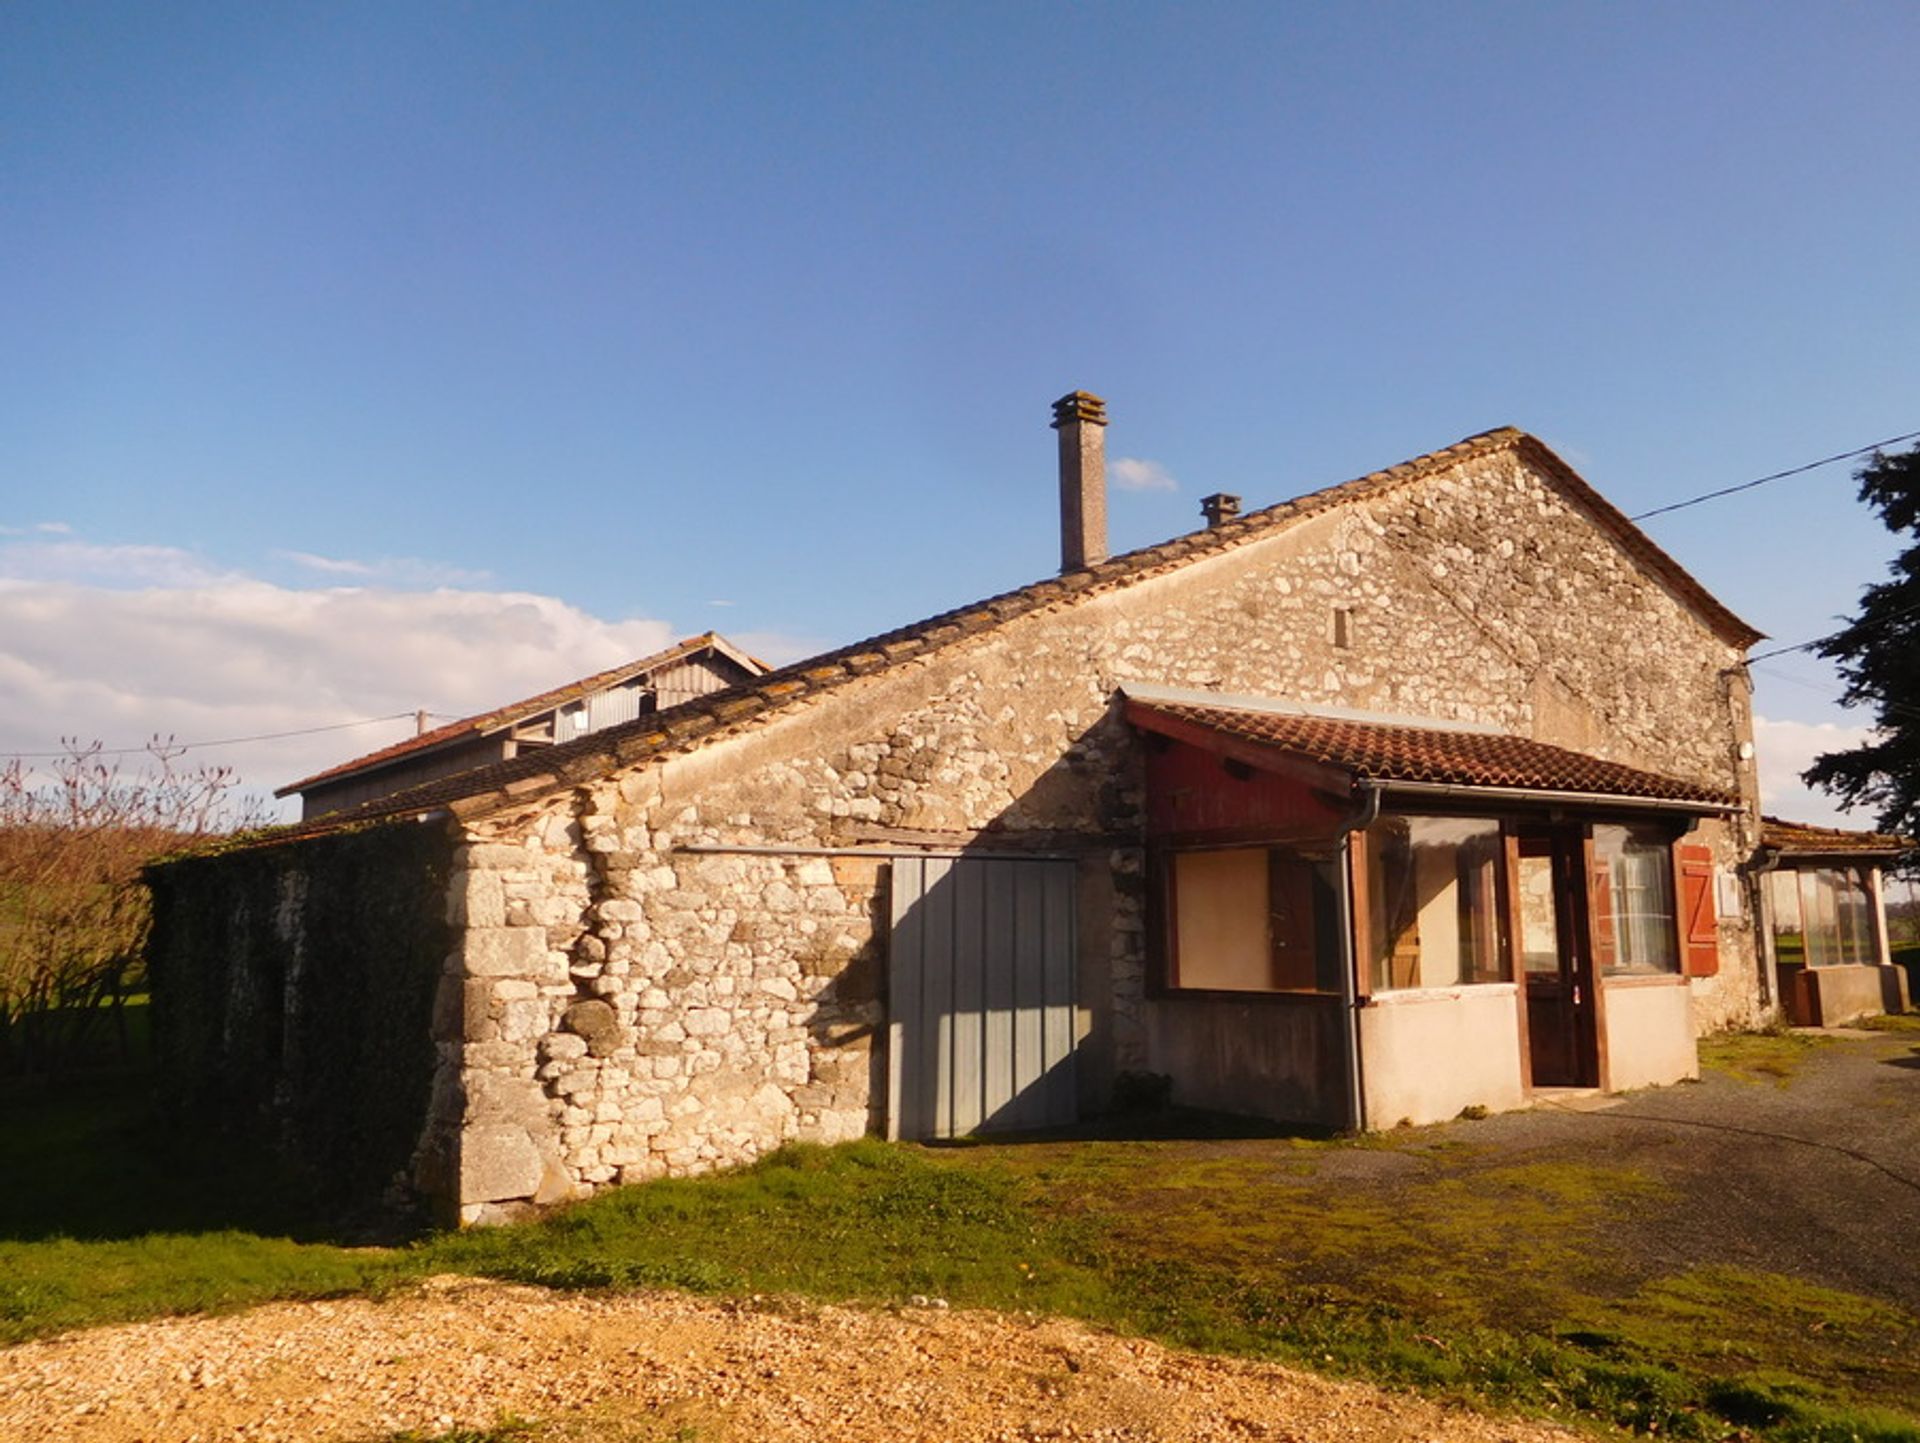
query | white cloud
(107,565)
(235,657)
(54,528)
(398,570)
(1134,473)
(331,566)
(1787,748)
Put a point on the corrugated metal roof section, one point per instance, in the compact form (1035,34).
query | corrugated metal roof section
(695,676)
(1390,752)
(610,708)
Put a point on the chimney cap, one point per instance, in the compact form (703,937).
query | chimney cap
(1079,406)
(1219,507)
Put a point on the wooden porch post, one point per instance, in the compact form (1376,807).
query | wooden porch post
(1516,956)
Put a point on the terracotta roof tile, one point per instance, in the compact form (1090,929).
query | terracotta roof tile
(862,658)
(1799,839)
(1392,752)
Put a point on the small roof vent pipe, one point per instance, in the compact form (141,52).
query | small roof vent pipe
(1081,419)
(1219,507)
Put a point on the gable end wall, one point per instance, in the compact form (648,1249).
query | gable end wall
(630,1008)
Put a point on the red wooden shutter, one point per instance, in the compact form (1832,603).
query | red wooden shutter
(1699,923)
(1600,898)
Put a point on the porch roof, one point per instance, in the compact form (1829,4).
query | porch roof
(1797,840)
(1414,757)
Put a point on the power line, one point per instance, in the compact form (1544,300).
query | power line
(1849,625)
(1785,650)
(1799,681)
(173,746)
(1776,476)
(1829,694)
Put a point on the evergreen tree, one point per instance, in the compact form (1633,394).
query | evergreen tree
(1878,653)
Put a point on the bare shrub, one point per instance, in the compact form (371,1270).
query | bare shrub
(73,911)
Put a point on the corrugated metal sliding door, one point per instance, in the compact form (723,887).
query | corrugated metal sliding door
(980,988)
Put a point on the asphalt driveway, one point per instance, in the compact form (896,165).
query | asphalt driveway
(1815,1173)
(1794,1156)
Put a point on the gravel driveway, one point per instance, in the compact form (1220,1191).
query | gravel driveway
(648,1368)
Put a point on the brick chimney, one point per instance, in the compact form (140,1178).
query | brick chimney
(1219,507)
(1081,420)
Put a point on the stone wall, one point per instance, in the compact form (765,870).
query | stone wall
(293,1002)
(632,1002)
(630,1010)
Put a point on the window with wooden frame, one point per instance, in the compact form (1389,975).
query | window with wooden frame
(1823,917)
(1635,927)
(1433,899)
(1253,919)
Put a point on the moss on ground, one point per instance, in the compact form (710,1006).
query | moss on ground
(1774,1057)
(1900,1022)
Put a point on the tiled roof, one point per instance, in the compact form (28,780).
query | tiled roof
(515,712)
(686,726)
(1798,839)
(1395,752)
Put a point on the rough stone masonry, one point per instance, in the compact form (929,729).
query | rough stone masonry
(631,1004)
(677,962)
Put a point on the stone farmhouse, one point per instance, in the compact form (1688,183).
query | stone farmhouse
(1428,791)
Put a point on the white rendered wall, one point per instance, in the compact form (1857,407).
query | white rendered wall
(1425,1055)
(1649,1033)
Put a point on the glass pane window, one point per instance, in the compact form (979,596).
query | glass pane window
(1633,901)
(1433,897)
(1821,910)
(1255,919)
(1789,934)
(1856,921)
(1539,914)
(1838,918)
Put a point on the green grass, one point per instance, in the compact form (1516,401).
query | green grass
(1422,1261)
(864,1221)
(596,1425)
(59,1283)
(1493,1288)
(1898,1022)
(511,1430)
(104,1217)
(1774,1056)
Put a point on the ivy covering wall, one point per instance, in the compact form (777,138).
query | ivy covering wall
(293,999)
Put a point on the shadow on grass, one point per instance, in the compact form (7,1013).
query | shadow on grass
(89,1157)
(1167,1124)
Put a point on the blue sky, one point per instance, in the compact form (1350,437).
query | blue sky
(365,358)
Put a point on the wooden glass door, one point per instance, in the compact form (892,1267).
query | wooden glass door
(1556,966)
